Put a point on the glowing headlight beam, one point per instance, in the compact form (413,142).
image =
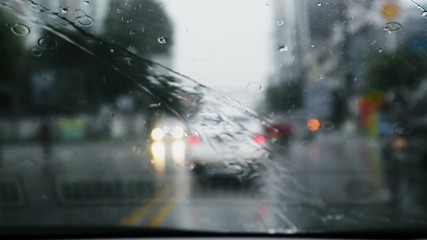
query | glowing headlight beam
(157,134)
(158,152)
(178,152)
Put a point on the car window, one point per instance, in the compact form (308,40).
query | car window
(236,116)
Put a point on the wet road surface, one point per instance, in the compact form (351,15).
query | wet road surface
(332,182)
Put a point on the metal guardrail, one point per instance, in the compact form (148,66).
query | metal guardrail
(103,191)
(11,192)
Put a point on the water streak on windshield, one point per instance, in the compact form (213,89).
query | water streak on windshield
(338,127)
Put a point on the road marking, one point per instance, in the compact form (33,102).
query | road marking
(163,212)
(139,213)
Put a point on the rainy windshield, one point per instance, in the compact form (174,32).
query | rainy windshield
(273,116)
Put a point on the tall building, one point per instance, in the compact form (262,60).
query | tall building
(292,39)
(320,37)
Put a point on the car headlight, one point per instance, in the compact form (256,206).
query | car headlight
(399,144)
(157,134)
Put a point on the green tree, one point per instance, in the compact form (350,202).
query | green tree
(140,25)
(11,52)
(285,95)
(396,71)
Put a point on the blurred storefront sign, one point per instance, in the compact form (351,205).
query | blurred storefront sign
(369,115)
(72,128)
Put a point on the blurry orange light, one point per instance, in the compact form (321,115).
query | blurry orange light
(389,10)
(313,124)
(399,144)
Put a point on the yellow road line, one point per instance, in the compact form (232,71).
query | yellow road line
(163,213)
(136,215)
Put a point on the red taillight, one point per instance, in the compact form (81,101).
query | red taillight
(278,130)
(260,139)
(262,210)
(193,140)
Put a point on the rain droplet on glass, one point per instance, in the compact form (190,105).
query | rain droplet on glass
(84,21)
(254,86)
(20,29)
(79,13)
(328,126)
(86,2)
(155,105)
(283,48)
(319,4)
(119,10)
(392,27)
(162,40)
(128,61)
(36,52)
(401,129)
(280,22)
(47,43)
(380,50)
(36,8)
(64,10)
(132,32)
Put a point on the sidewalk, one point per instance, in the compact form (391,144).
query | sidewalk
(102,155)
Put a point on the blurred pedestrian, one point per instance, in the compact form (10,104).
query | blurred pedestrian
(390,165)
(1,153)
(45,138)
(385,129)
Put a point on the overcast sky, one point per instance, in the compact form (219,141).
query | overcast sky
(222,43)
